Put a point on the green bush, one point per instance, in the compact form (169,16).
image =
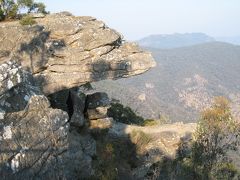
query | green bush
(27,20)
(124,114)
(217,133)
(9,9)
(1,15)
(150,122)
(226,171)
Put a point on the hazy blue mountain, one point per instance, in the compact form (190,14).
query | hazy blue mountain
(168,41)
(232,39)
(183,83)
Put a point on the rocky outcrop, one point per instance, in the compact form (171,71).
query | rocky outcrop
(64,51)
(33,141)
(97,105)
(45,120)
(37,140)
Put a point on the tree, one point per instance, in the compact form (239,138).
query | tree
(32,6)
(216,135)
(10,9)
(124,114)
(208,155)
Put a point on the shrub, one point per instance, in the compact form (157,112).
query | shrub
(105,164)
(150,122)
(124,114)
(217,133)
(207,155)
(140,138)
(1,15)
(27,20)
(225,170)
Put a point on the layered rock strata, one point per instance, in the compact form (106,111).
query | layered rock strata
(41,138)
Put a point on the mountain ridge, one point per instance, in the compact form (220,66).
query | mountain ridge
(184,81)
(168,41)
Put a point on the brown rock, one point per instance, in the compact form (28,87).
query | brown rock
(64,51)
(98,113)
(101,124)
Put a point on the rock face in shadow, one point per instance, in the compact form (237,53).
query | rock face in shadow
(64,51)
(153,143)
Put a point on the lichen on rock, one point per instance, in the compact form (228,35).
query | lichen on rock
(64,51)
(37,63)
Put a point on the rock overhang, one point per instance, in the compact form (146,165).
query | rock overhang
(65,51)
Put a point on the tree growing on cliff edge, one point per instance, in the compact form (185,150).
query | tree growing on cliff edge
(217,134)
(208,156)
(10,9)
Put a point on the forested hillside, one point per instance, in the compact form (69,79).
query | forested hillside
(183,83)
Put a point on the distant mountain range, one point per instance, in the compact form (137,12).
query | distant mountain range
(169,41)
(183,83)
(176,40)
(233,40)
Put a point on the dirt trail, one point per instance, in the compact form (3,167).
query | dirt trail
(181,129)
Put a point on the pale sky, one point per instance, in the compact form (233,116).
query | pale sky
(136,19)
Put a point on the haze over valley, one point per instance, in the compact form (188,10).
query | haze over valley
(185,80)
(119,90)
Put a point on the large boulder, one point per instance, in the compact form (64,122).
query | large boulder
(64,51)
(42,139)
(34,138)
(97,105)
(33,141)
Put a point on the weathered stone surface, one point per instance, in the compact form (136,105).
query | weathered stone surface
(98,113)
(58,54)
(81,150)
(64,51)
(98,99)
(10,76)
(78,106)
(16,88)
(33,141)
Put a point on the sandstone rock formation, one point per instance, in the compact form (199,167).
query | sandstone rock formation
(97,105)
(48,136)
(64,51)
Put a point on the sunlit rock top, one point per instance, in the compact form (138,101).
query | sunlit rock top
(64,51)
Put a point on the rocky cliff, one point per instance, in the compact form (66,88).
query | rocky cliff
(48,127)
(58,54)
(64,51)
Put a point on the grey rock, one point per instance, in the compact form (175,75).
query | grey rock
(98,99)
(78,105)
(81,150)
(64,51)
(10,75)
(57,55)
(33,141)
